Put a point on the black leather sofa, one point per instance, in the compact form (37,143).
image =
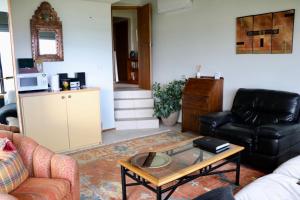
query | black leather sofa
(265,122)
(9,110)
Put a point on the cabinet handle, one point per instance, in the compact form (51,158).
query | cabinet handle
(70,96)
(63,97)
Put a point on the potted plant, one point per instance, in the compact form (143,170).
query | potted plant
(167,101)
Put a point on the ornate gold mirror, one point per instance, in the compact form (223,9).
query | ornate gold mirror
(46,34)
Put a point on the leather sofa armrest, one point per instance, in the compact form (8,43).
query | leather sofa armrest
(7,197)
(216,119)
(277,131)
(65,167)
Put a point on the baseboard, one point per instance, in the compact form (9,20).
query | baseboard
(110,129)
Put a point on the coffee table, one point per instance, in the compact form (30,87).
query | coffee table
(188,163)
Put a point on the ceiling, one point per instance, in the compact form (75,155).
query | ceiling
(104,1)
(132,2)
(123,2)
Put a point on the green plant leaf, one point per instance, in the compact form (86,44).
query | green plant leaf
(167,97)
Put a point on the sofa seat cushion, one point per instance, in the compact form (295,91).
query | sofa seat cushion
(278,131)
(271,187)
(236,133)
(43,188)
(290,168)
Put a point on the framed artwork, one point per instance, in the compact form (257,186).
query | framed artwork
(265,33)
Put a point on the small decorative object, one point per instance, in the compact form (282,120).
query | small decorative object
(133,55)
(198,75)
(217,75)
(151,160)
(39,65)
(167,101)
(265,33)
(66,84)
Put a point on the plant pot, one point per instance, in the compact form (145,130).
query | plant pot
(171,120)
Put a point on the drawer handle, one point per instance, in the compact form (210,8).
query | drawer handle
(70,96)
(63,97)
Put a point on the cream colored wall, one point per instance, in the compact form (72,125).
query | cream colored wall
(87,44)
(205,34)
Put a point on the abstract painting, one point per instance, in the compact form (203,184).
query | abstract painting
(265,33)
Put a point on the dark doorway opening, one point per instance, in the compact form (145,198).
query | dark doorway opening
(120,28)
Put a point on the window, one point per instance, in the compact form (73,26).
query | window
(6,63)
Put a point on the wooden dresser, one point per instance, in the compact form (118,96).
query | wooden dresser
(200,96)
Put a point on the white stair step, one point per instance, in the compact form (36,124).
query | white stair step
(134,123)
(134,103)
(133,94)
(133,113)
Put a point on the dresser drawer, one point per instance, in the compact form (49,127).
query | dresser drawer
(196,102)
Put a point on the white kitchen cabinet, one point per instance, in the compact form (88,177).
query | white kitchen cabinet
(62,121)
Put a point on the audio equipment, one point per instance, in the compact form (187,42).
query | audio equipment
(81,77)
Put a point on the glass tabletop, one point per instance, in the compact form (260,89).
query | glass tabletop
(181,157)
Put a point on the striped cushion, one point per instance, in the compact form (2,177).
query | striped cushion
(12,171)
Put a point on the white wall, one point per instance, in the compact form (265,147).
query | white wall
(205,34)
(87,44)
(131,15)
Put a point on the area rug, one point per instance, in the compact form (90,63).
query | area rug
(100,172)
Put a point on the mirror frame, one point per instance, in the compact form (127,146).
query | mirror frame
(45,18)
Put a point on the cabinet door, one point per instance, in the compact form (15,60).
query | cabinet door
(190,119)
(84,118)
(45,120)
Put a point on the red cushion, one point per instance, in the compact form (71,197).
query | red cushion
(43,188)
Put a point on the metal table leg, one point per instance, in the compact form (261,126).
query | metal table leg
(123,180)
(238,166)
(158,193)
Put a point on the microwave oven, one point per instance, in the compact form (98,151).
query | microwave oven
(32,82)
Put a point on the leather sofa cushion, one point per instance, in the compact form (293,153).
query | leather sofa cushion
(257,106)
(270,146)
(277,131)
(216,119)
(43,188)
(236,133)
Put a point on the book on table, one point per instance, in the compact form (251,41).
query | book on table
(211,144)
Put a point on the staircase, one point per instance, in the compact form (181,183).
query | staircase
(134,110)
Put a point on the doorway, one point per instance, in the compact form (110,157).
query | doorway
(132,47)
(121,47)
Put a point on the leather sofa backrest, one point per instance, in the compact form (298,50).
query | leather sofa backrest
(258,106)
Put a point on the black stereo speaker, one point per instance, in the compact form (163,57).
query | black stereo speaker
(81,77)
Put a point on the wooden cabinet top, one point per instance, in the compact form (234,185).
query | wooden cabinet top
(32,94)
(202,86)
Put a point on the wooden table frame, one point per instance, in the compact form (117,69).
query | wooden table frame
(206,171)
